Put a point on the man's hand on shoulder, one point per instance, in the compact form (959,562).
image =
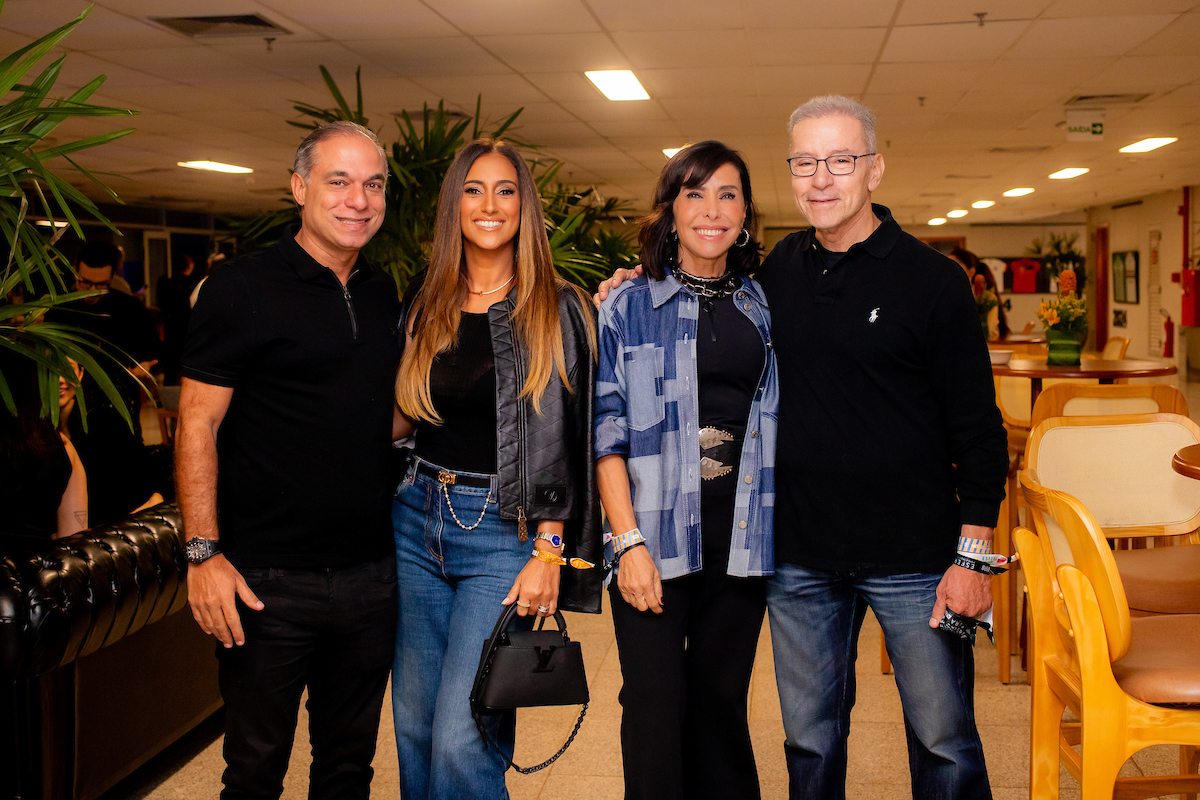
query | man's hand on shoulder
(619,277)
(213,588)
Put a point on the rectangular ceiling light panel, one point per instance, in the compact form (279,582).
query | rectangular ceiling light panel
(618,84)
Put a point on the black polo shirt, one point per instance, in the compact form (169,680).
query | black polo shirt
(889,435)
(303,452)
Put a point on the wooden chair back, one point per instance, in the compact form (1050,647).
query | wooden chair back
(1114,348)
(1083,400)
(1119,467)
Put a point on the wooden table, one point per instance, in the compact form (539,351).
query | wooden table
(1016,340)
(1187,462)
(1036,370)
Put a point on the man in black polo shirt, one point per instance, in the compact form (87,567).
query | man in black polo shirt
(892,455)
(282,455)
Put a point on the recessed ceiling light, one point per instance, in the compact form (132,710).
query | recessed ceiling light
(983,204)
(1069,172)
(1018,192)
(45,223)
(617,84)
(214,166)
(938,221)
(670,152)
(1146,145)
(956,213)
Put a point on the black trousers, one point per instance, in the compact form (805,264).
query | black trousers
(684,731)
(333,632)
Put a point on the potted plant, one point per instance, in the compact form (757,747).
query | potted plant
(35,275)
(1065,319)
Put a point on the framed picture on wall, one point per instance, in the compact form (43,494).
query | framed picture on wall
(1125,276)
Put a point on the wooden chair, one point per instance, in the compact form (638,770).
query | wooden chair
(1119,467)
(1081,400)
(1028,328)
(1114,348)
(1132,682)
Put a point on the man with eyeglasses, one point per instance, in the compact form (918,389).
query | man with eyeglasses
(892,456)
(121,321)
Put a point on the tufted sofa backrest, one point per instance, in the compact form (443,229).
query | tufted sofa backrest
(71,597)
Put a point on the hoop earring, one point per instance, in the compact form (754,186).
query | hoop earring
(739,242)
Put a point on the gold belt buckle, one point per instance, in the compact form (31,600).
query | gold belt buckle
(446,478)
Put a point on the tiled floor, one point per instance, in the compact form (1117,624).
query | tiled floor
(592,767)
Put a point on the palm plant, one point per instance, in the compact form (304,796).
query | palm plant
(417,162)
(34,264)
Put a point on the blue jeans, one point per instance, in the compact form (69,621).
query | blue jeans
(451,583)
(816,617)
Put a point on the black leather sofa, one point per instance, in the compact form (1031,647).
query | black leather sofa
(102,663)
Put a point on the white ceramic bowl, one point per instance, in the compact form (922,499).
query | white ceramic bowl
(1000,356)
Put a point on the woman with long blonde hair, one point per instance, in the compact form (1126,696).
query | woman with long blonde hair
(499,506)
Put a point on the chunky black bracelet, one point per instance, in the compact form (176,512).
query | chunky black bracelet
(977,566)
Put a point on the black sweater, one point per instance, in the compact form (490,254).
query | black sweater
(885,386)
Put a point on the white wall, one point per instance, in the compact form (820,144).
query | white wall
(1129,229)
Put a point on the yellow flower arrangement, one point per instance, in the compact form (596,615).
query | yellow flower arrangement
(1068,313)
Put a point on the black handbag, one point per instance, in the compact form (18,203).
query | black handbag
(521,669)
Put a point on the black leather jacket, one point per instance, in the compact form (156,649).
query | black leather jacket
(546,462)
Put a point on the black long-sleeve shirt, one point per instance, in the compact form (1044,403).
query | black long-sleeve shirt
(889,435)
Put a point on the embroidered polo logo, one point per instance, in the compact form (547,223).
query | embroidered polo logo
(874,315)
(550,495)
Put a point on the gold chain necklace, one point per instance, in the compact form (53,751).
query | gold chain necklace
(493,291)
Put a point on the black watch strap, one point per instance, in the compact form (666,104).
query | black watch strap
(199,550)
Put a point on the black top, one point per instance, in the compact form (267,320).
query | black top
(462,385)
(304,449)
(729,362)
(115,461)
(885,385)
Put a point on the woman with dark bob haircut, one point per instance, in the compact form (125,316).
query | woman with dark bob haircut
(686,402)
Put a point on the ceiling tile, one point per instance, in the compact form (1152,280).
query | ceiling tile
(102,30)
(553,53)
(299,61)
(511,89)
(565,86)
(927,12)
(808,14)
(831,46)
(698,82)
(666,130)
(667,15)
(553,134)
(1095,36)
(80,68)
(682,48)
(925,77)
(479,17)
(1064,72)
(1144,74)
(801,83)
(635,111)
(194,66)
(1108,8)
(952,42)
(726,108)
(452,55)
(395,19)
(1177,39)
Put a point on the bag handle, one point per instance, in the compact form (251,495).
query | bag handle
(485,665)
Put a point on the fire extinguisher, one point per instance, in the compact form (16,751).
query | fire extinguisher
(1168,336)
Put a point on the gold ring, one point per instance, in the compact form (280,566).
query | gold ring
(522,604)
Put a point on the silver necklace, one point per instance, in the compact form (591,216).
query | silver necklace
(493,291)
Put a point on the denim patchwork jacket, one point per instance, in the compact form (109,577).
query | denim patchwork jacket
(648,342)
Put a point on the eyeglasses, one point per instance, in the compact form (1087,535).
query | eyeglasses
(85,285)
(805,167)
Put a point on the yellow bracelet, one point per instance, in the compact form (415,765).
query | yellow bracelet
(548,557)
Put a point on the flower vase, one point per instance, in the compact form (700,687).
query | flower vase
(1064,348)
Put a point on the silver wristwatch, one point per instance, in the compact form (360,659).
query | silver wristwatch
(553,538)
(199,550)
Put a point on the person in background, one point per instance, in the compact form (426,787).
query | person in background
(499,506)
(686,402)
(174,292)
(120,478)
(117,319)
(43,486)
(976,272)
